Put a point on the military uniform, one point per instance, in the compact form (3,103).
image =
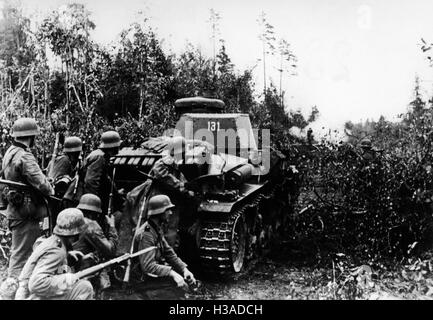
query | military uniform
(20,165)
(169,180)
(157,264)
(98,181)
(60,166)
(44,274)
(66,164)
(368,155)
(94,240)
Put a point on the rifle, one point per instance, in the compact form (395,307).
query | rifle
(77,175)
(55,152)
(15,184)
(110,199)
(127,256)
(128,267)
(25,187)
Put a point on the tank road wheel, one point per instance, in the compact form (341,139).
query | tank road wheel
(238,243)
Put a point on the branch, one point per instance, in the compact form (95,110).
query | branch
(78,98)
(20,88)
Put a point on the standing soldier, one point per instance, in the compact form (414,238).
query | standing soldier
(65,168)
(45,275)
(97,179)
(93,242)
(310,136)
(25,208)
(162,281)
(66,164)
(368,153)
(169,180)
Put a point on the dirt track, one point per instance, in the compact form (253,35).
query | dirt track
(284,278)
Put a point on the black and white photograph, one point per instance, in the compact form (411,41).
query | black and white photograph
(214,151)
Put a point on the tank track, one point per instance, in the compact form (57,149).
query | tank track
(215,242)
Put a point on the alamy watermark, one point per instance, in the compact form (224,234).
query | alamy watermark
(226,145)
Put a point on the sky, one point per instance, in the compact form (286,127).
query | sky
(356,59)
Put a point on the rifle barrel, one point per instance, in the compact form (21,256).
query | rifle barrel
(128,267)
(14,184)
(87,272)
(110,198)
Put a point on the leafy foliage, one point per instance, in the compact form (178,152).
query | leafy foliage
(377,203)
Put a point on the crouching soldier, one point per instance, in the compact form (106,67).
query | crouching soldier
(93,242)
(45,275)
(165,274)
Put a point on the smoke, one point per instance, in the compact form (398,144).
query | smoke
(321,131)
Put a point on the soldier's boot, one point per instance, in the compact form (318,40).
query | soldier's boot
(163,288)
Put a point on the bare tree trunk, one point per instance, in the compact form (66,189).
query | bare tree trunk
(67,92)
(281,81)
(140,103)
(45,99)
(78,98)
(87,96)
(20,88)
(264,66)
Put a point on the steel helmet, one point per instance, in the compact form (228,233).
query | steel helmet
(110,139)
(25,127)
(70,222)
(366,143)
(73,144)
(159,204)
(91,202)
(177,144)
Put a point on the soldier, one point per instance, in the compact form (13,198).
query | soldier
(93,243)
(45,275)
(63,170)
(25,208)
(97,177)
(169,180)
(93,239)
(368,153)
(310,136)
(161,281)
(66,164)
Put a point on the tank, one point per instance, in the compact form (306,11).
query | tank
(243,202)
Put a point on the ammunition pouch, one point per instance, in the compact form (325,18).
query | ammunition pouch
(24,204)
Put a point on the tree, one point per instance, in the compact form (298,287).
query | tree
(287,62)
(140,74)
(67,32)
(267,38)
(17,54)
(215,32)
